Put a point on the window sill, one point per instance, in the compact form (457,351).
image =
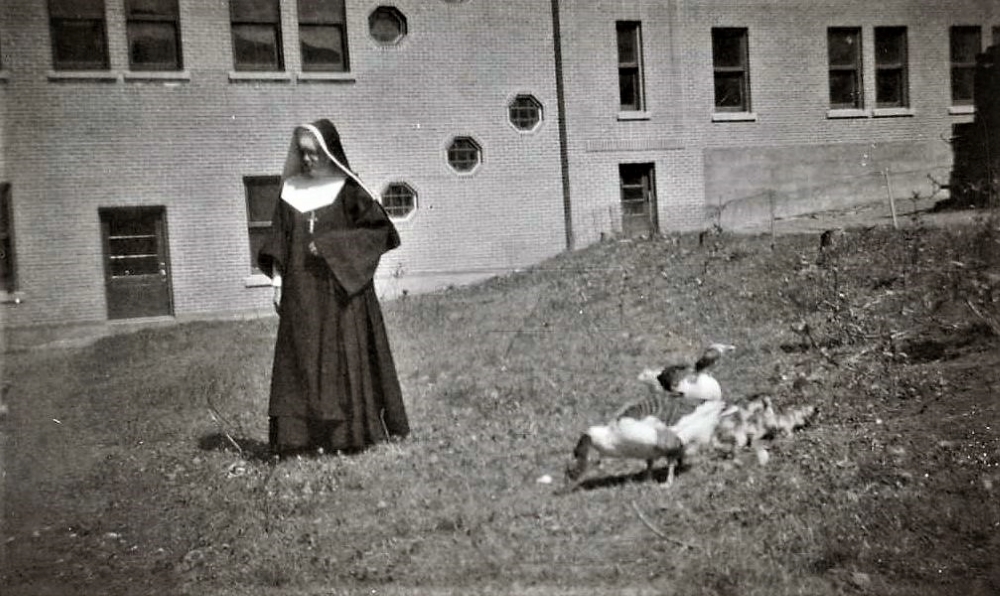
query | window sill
(326,77)
(14,298)
(850,113)
(83,75)
(634,115)
(970,109)
(246,75)
(734,117)
(157,75)
(256,280)
(892,112)
(4,75)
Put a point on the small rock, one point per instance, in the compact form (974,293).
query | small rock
(544,479)
(861,580)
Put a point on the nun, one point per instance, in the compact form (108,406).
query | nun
(334,386)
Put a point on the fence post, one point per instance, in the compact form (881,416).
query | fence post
(892,199)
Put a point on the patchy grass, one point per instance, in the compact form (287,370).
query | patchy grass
(138,465)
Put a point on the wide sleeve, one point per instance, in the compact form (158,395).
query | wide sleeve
(353,253)
(273,256)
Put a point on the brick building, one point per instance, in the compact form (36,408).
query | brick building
(142,139)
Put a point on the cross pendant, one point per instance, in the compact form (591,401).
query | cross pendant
(312,221)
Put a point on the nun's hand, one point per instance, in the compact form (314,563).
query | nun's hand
(313,250)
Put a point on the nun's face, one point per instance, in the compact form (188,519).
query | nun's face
(314,160)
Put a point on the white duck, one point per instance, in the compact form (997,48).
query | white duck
(686,380)
(676,420)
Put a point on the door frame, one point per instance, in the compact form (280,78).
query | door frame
(163,306)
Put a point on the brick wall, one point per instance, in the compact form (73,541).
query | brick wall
(76,145)
(789,143)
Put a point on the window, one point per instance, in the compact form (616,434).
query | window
(79,35)
(966,42)
(387,25)
(262,197)
(323,35)
(732,70)
(630,66)
(525,112)
(154,34)
(463,154)
(891,77)
(399,200)
(844,51)
(256,27)
(7,269)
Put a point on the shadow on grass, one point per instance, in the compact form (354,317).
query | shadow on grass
(658,476)
(248,449)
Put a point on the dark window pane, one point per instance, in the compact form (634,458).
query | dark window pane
(966,42)
(258,238)
(398,200)
(133,246)
(727,47)
(153,46)
(255,47)
(844,90)
(254,11)
(262,197)
(7,270)
(79,45)
(729,90)
(890,45)
(628,50)
(262,193)
(127,266)
(152,8)
(322,48)
(628,89)
(962,88)
(889,88)
(844,47)
(525,112)
(76,9)
(386,25)
(463,154)
(321,11)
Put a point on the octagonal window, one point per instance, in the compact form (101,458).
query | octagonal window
(525,112)
(399,200)
(387,25)
(464,154)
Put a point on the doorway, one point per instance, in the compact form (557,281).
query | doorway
(136,267)
(638,196)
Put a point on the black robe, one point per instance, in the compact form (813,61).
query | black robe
(334,383)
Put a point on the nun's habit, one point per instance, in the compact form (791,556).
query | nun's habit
(334,383)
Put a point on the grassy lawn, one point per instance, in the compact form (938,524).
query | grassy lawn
(138,465)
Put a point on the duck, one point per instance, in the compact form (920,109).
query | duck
(660,426)
(687,380)
(678,418)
